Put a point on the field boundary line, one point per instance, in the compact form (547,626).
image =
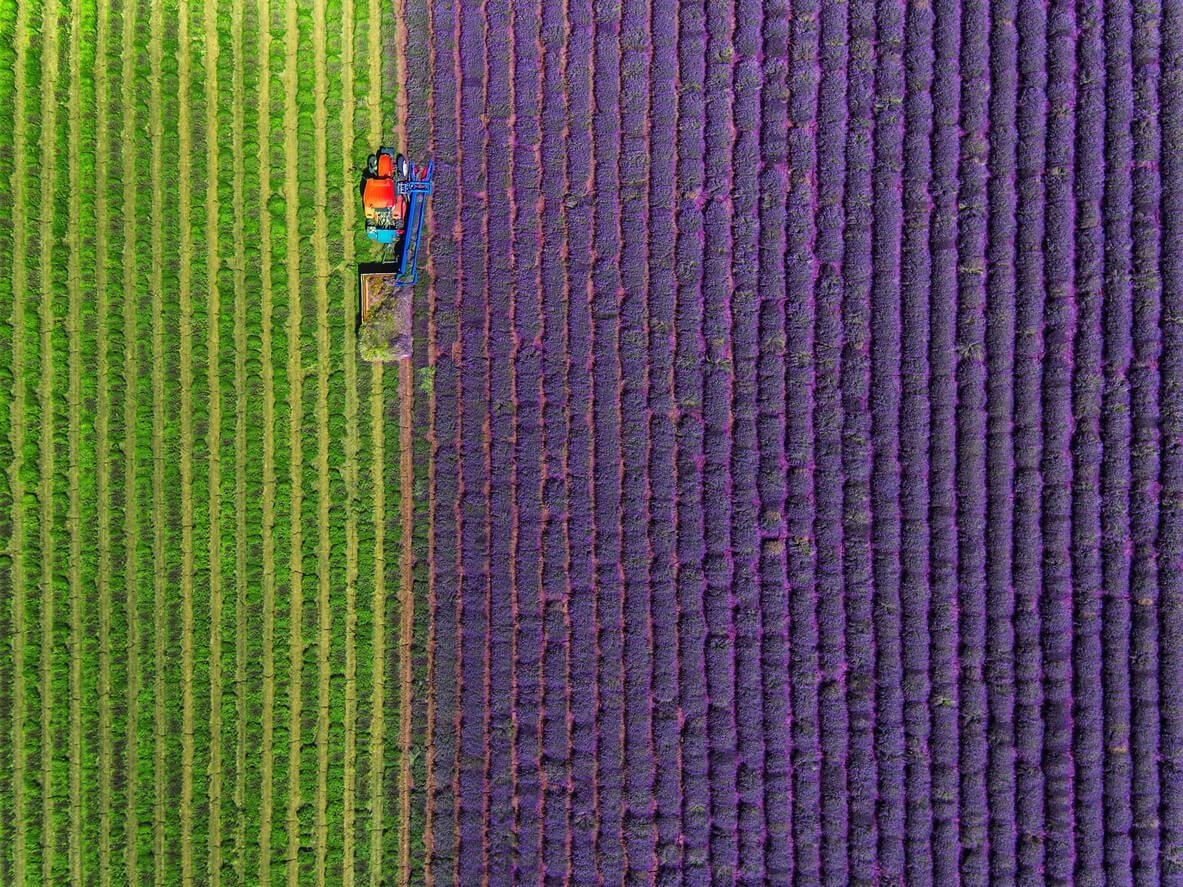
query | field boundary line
(102,433)
(266,808)
(49,75)
(348,219)
(16,432)
(214,431)
(238,90)
(131,504)
(185,272)
(406,591)
(74,435)
(295,431)
(156,128)
(324,616)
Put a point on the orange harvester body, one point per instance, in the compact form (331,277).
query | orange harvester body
(382,203)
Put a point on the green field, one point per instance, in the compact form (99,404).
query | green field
(199,592)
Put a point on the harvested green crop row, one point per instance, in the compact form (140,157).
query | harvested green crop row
(201,509)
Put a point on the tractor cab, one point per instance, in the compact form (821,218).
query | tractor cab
(385,208)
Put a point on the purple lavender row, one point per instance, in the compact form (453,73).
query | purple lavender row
(472,754)
(827,438)
(528,457)
(1028,438)
(943,615)
(419,74)
(441,862)
(718,600)
(1087,393)
(745,350)
(584,675)
(970,454)
(606,457)
(556,553)
(862,781)
(501,296)
(690,349)
(639,803)
(1000,467)
(1151,651)
(661,286)
(1060,327)
(801,653)
(914,431)
(885,436)
(771,471)
(1170,534)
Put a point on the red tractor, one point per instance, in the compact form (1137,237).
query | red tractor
(385,208)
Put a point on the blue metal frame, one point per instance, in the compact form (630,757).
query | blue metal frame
(416,191)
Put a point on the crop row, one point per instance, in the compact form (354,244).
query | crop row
(794,441)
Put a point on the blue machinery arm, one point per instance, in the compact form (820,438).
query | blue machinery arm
(416,190)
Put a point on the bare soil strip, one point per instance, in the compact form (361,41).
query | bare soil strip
(74,394)
(20,282)
(212,143)
(185,170)
(103,454)
(320,239)
(49,75)
(295,387)
(264,138)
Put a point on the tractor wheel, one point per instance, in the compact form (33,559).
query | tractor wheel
(372,165)
(400,167)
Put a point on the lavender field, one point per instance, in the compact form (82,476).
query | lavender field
(805,440)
